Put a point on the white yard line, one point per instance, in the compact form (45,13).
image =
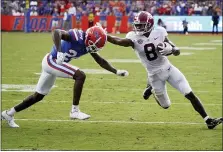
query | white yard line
(216,41)
(197,48)
(207,44)
(111,121)
(115,102)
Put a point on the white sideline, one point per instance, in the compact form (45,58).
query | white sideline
(117,102)
(110,121)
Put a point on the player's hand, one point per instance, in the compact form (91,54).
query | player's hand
(165,49)
(122,73)
(60,58)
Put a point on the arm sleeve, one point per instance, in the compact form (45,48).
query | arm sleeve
(73,34)
(164,32)
(129,36)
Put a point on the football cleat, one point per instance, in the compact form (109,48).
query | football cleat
(147,92)
(213,122)
(9,119)
(79,115)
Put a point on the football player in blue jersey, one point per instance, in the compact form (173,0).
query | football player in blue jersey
(68,45)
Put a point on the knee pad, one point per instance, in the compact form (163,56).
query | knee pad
(163,100)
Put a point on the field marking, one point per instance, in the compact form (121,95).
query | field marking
(19,87)
(32,88)
(124,60)
(115,102)
(216,41)
(20,150)
(194,73)
(186,53)
(197,48)
(207,44)
(111,121)
(102,89)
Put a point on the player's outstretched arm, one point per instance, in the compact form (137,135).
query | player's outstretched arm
(107,66)
(175,50)
(120,41)
(58,35)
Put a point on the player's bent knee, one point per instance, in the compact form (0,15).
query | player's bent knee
(163,101)
(79,75)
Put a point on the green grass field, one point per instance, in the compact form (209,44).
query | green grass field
(120,118)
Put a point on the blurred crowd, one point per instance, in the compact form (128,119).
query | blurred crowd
(80,8)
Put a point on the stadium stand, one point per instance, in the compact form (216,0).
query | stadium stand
(158,7)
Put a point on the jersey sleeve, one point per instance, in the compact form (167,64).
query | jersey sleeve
(130,35)
(75,35)
(163,31)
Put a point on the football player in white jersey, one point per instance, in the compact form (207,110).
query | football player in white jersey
(152,46)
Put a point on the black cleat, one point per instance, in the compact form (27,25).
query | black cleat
(147,92)
(213,122)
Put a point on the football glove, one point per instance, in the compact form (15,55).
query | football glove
(60,58)
(166,49)
(122,73)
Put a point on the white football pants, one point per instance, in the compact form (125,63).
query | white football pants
(175,78)
(51,70)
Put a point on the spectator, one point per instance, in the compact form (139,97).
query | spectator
(103,17)
(215,19)
(66,20)
(91,18)
(55,19)
(33,12)
(33,4)
(72,9)
(62,8)
(197,9)
(185,27)
(131,16)
(78,17)
(118,15)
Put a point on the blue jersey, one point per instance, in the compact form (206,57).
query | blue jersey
(118,15)
(74,49)
(103,15)
(55,16)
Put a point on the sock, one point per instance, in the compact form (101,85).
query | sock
(75,108)
(11,111)
(206,118)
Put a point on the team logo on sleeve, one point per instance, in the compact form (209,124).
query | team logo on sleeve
(140,41)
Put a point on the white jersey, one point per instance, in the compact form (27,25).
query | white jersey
(146,50)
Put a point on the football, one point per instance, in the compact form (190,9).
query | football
(160,46)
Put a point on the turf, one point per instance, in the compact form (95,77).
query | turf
(121,119)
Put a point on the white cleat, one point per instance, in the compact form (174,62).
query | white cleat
(79,115)
(9,119)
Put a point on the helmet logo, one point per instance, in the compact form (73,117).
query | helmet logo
(96,33)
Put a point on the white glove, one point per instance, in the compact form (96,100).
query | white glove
(60,58)
(166,49)
(123,73)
